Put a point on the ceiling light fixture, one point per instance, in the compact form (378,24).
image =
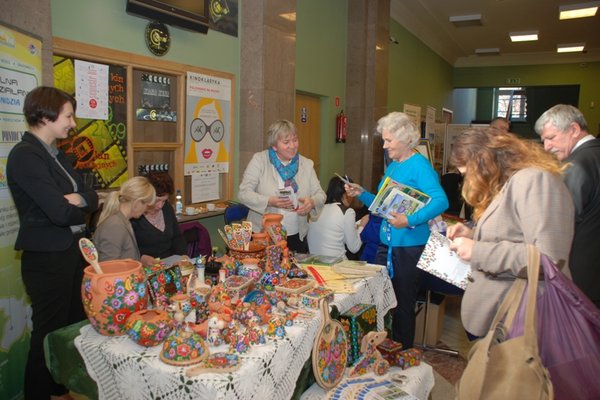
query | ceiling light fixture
(580,10)
(488,51)
(466,20)
(527,36)
(570,48)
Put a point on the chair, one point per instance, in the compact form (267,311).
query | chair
(432,284)
(197,238)
(235,212)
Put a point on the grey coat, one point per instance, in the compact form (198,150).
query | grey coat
(114,239)
(533,207)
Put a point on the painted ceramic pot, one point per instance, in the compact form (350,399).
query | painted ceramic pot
(149,327)
(184,348)
(250,267)
(255,250)
(111,297)
(180,306)
(262,238)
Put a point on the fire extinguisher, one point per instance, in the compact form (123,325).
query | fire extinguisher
(340,127)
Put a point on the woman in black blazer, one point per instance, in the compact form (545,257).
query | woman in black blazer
(52,204)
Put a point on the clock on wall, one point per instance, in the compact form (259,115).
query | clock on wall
(158,39)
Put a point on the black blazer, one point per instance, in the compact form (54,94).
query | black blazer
(38,186)
(583,181)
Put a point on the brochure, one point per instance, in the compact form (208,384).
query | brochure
(397,197)
(440,261)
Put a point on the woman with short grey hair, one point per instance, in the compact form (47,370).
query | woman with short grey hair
(280,180)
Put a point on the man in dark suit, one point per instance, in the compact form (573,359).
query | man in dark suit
(564,132)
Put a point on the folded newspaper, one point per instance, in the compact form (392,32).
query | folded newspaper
(397,197)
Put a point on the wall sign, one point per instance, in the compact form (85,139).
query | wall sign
(158,39)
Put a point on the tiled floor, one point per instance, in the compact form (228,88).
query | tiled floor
(453,337)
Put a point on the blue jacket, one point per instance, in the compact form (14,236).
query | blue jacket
(418,173)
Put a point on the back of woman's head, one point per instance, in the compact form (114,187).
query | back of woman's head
(491,157)
(162,182)
(401,127)
(335,190)
(45,102)
(279,130)
(137,188)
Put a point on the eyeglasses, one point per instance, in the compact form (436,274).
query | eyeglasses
(198,129)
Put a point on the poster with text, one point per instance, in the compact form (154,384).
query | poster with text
(92,90)
(20,72)
(97,147)
(208,124)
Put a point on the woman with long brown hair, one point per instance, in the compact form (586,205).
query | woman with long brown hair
(519,198)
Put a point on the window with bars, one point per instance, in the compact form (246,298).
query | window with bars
(511,103)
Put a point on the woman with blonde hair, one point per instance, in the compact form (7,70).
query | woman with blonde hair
(114,237)
(519,198)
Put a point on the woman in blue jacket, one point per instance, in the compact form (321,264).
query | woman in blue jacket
(403,237)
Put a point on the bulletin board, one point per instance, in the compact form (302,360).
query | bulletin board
(143,131)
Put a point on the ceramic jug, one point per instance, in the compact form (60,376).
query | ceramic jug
(111,297)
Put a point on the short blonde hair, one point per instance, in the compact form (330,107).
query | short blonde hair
(280,130)
(401,127)
(136,188)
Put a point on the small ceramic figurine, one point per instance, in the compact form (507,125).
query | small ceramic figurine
(370,359)
(215,325)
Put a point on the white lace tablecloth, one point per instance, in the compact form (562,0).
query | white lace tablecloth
(418,381)
(124,370)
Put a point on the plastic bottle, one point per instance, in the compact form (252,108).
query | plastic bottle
(178,203)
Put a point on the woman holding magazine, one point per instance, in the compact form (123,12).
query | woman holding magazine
(403,235)
(519,198)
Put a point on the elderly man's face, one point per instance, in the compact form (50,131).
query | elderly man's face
(560,143)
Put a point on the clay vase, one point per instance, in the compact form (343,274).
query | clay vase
(149,327)
(271,223)
(111,297)
(249,267)
(262,238)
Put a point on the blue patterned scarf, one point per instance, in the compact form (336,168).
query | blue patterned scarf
(287,172)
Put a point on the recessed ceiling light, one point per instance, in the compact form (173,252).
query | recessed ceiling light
(527,36)
(580,10)
(488,51)
(466,20)
(570,48)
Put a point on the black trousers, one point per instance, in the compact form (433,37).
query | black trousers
(53,282)
(406,285)
(296,245)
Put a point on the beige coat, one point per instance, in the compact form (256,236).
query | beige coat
(533,207)
(261,181)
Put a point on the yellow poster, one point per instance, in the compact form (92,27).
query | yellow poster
(20,72)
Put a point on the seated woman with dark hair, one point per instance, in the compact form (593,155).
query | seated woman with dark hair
(157,230)
(335,226)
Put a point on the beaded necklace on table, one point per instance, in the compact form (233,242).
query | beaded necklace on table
(157,220)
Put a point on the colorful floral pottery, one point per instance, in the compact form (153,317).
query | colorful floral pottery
(254,251)
(111,297)
(149,327)
(183,348)
(217,362)
(330,350)
(249,267)
(180,306)
(262,238)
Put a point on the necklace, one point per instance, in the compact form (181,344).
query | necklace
(157,220)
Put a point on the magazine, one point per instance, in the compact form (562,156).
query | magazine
(397,197)
(440,261)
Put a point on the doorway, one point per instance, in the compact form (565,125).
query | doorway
(308,126)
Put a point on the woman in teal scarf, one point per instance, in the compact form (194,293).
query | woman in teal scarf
(279,180)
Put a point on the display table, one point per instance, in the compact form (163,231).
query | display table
(125,370)
(418,382)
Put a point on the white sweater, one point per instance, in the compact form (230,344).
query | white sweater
(331,230)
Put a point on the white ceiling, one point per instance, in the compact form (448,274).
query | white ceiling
(429,21)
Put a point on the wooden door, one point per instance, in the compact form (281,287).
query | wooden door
(308,126)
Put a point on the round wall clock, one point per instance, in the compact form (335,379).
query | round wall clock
(158,38)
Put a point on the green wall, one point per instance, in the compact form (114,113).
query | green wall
(417,75)
(586,75)
(106,24)
(321,70)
